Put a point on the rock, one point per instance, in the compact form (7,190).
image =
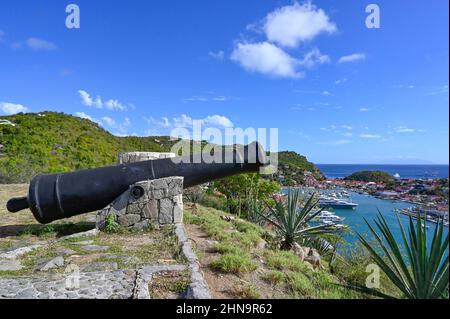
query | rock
(95,248)
(165,211)
(262,244)
(65,251)
(150,210)
(101,266)
(141,225)
(50,264)
(83,243)
(227,218)
(211,243)
(29,293)
(14,254)
(128,220)
(299,251)
(10,265)
(313,257)
(89,233)
(126,259)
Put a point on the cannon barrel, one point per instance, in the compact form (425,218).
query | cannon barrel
(57,196)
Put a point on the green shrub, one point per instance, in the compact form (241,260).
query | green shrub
(284,260)
(111,225)
(248,292)
(300,285)
(274,277)
(234,263)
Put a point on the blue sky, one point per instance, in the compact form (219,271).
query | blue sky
(337,91)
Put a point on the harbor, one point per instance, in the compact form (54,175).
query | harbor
(351,218)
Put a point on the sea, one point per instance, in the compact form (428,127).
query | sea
(334,171)
(368,209)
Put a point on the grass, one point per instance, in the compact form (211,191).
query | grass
(169,285)
(248,292)
(293,278)
(284,260)
(234,263)
(55,230)
(274,277)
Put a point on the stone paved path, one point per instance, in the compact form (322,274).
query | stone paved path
(119,284)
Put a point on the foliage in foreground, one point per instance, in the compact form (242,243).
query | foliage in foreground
(422,272)
(292,220)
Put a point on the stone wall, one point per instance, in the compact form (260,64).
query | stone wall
(148,203)
(156,202)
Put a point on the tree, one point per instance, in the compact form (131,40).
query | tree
(242,191)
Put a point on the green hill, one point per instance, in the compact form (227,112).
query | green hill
(293,166)
(50,142)
(371,176)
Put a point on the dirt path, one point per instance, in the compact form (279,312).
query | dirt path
(228,285)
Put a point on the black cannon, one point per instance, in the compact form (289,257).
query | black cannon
(57,196)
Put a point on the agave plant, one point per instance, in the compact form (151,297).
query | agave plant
(292,221)
(422,271)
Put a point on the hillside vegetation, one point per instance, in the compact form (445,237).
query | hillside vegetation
(50,142)
(371,176)
(293,166)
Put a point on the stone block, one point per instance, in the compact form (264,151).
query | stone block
(150,210)
(128,220)
(165,211)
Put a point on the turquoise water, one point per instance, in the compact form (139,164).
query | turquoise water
(368,208)
(405,171)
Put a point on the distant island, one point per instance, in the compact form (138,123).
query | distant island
(371,176)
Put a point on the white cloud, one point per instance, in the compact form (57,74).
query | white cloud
(291,25)
(163,126)
(85,98)
(352,58)
(364,109)
(220,55)
(326,93)
(110,104)
(337,142)
(196,99)
(404,129)
(114,105)
(201,98)
(84,116)
(370,136)
(347,127)
(40,44)
(443,89)
(340,81)
(217,120)
(348,134)
(313,58)
(265,58)
(109,122)
(220,98)
(12,108)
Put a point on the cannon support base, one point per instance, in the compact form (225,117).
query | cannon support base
(151,203)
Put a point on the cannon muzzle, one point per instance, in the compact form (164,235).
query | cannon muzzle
(57,196)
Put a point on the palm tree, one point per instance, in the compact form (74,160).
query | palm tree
(420,273)
(292,221)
